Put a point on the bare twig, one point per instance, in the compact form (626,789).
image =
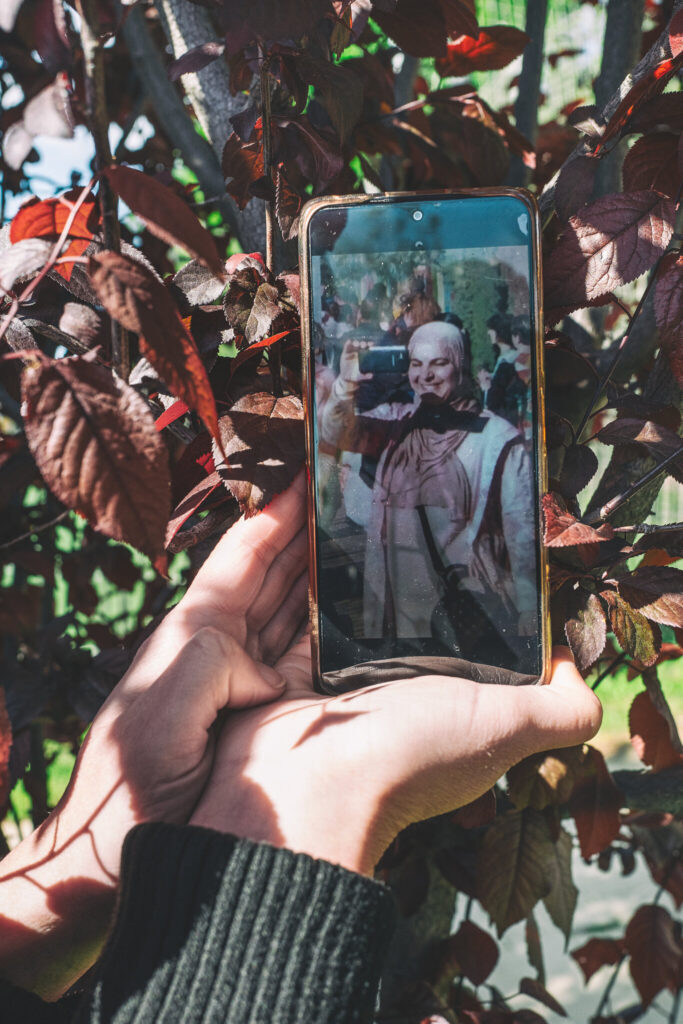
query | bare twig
(609,670)
(274,357)
(267,157)
(98,123)
(608,989)
(611,507)
(647,528)
(36,529)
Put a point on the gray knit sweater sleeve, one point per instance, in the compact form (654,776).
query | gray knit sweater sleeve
(211,928)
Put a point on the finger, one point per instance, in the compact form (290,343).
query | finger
(295,666)
(223,589)
(287,566)
(567,711)
(210,673)
(283,627)
(231,578)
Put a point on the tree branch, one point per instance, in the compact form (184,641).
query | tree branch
(98,123)
(187,25)
(526,104)
(175,118)
(657,52)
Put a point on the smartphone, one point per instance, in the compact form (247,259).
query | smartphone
(384,359)
(425,446)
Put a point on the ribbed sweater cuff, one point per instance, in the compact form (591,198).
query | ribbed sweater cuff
(215,928)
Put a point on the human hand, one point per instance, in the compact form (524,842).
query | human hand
(484,379)
(349,363)
(149,750)
(339,777)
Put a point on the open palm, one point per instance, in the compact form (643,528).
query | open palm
(339,777)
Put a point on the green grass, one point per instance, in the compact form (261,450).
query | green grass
(617,693)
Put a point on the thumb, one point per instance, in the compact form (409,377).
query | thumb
(564,711)
(212,671)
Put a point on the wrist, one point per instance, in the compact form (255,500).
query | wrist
(344,389)
(57,901)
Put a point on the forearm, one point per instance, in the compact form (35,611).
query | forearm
(223,928)
(56,903)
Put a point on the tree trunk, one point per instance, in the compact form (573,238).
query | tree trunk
(187,25)
(526,105)
(621,49)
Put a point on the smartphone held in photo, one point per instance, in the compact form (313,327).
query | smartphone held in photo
(424,410)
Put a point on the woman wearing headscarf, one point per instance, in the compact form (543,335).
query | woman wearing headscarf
(465,466)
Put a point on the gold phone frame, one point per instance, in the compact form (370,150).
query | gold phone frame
(381,671)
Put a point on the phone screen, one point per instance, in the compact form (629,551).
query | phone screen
(422,395)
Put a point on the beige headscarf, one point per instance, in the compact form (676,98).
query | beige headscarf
(422,467)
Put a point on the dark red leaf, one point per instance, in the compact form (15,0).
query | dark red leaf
(586,629)
(638,637)
(533,988)
(656,592)
(562,899)
(676,33)
(49,113)
(574,185)
(132,295)
(263,439)
(165,214)
(669,314)
(82,594)
(477,813)
(422,27)
(597,953)
(272,20)
(340,88)
(170,415)
(195,59)
(94,441)
(475,950)
(652,735)
(578,469)
(562,529)
(595,805)
(655,951)
(607,244)
(661,112)
(80,322)
(258,346)
(652,162)
(198,284)
(315,151)
(51,37)
(190,504)
(659,441)
(242,166)
(22,261)
(545,779)
(494,48)
(512,873)
(46,218)
(644,88)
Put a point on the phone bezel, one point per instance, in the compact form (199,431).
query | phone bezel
(347,679)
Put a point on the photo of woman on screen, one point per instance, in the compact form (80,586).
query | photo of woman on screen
(447,478)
